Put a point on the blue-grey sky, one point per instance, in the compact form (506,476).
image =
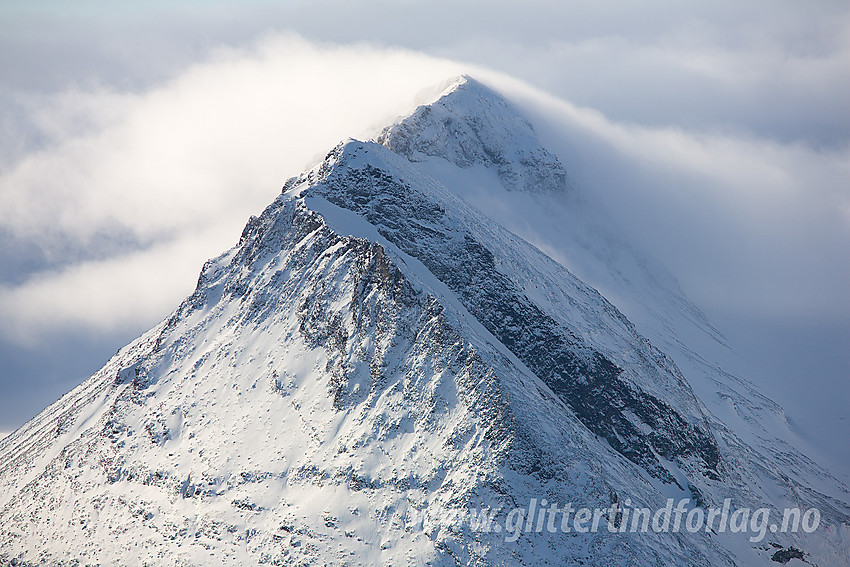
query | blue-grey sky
(137,137)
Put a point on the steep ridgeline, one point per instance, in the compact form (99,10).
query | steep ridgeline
(620,387)
(374,360)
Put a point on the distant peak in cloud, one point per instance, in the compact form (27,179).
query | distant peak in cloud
(471,124)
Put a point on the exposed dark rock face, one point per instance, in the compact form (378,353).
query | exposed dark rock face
(785,555)
(585,379)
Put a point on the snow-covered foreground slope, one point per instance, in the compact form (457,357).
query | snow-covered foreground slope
(375,359)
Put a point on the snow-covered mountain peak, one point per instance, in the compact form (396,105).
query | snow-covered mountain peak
(470,124)
(375,362)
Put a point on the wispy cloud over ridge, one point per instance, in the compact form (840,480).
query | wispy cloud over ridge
(173,172)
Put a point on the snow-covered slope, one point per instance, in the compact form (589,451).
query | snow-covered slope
(374,359)
(582,238)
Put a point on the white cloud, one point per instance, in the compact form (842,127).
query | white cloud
(177,170)
(777,71)
(756,222)
(130,291)
(222,133)
(749,225)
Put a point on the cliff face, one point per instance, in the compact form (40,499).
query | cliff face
(611,386)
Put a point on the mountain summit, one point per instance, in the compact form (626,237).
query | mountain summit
(379,373)
(470,124)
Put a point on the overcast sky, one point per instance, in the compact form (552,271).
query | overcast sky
(137,137)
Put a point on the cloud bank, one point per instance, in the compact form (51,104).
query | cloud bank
(747,224)
(125,213)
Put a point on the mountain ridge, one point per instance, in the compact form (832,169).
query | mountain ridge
(350,190)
